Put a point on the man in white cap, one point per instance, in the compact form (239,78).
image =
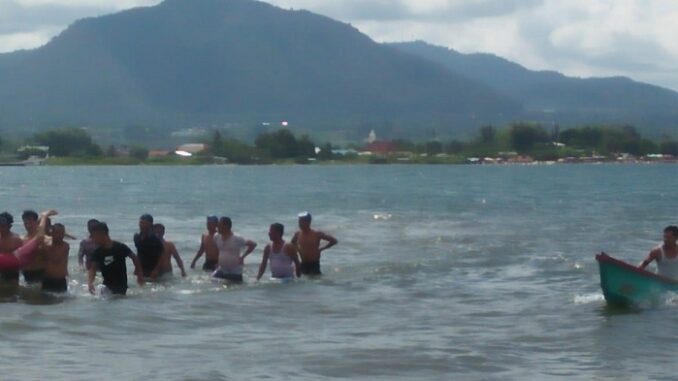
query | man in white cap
(308,243)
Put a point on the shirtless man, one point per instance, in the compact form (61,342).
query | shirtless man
(56,262)
(308,243)
(283,256)
(169,253)
(87,247)
(14,261)
(33,272)
(666,255)
(208,247)
(9,242)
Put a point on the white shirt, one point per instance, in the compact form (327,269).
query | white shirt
(229,253)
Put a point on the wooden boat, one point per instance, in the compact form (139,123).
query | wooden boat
(625,284)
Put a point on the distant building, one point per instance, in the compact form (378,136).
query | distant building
(192,148)
(158,153)
(190,133)
(381,147)
(371,138)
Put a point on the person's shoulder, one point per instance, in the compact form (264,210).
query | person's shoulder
(118,246)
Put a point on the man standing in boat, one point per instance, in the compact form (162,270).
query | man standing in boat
(308,243)
(666,255)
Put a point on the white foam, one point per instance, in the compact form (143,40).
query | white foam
(589,298)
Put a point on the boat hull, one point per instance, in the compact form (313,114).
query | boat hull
(625,284)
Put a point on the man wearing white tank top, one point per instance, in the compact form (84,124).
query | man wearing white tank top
(666,255)
(283,256)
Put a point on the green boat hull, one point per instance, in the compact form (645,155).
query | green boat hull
(624,284)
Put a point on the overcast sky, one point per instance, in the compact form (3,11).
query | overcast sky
(635,38)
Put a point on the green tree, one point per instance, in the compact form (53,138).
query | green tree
(305,147)
(434,148)
(138,152)
(67,142)
(217,145)
(326,152)
(488,134)
(669,147)
(282,144)
(525,136)
(455,147)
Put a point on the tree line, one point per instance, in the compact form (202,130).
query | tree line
(527,139)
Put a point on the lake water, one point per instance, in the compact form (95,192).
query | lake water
(441,273)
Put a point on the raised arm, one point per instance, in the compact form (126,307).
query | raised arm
(654,255)
(264,262)
(331,241)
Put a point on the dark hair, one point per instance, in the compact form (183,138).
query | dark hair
(226,221)
(100,227)
(29,215)
(280,228)
(161,226)
(672,229)
(58,225)
(6,218)
(90,224)
(147,217)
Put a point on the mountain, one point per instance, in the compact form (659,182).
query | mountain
(187,63)
(552,97)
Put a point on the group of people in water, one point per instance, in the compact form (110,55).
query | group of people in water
(42,255)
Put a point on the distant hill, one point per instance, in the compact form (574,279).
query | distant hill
(189,63)
(551,96)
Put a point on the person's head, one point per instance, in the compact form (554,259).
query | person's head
(146,223)
(91,224)
(159,230)
(305,219)
(225,225)
(100,233)
(58,233)
(670,235)
(6,221)
(30,218)
(275,233)
(212,223)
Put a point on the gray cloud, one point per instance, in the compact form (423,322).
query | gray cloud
(17,18)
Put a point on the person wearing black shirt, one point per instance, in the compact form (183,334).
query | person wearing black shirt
(149,247)
(110,258)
